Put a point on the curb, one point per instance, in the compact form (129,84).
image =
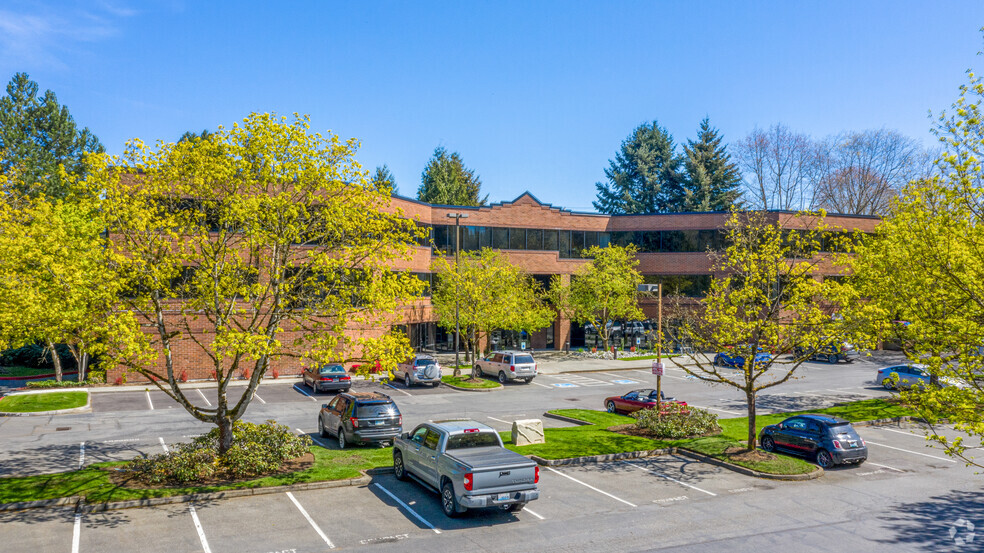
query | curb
(602,458)
(87,408)
(817,472)
(896,420)
(460,389)
(83,507)
(578,422)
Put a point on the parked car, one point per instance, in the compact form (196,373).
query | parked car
(327,378)
(735,359)
(466,462)
(636,400)
(909,375)
(359,418)
(831,352)
(507,365)
(419,369)
(829,440)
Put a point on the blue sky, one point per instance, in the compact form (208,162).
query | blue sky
(533,95)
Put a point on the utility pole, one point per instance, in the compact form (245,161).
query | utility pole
(457,216)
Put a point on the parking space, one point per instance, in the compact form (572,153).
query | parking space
(154,530)
(38,530)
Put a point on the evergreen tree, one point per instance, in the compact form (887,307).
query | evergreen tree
(188,135)
(711,182)
(447,181)
(37,134)
(383,179)
(644,176)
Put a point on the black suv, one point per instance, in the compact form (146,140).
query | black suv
(363,417)
(830,440)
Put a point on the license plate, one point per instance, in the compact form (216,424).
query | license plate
(503,497)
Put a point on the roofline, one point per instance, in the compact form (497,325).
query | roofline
(613,215)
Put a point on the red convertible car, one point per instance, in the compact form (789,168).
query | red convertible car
(635,400)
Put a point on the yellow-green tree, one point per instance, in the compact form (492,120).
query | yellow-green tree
(925,271)
(55,283)
(769,302)
(601,291)
(490,294)
(231,241)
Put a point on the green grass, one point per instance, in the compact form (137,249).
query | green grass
(24,371)
(642,357)
(27,403)
(595,439)
(464,381)
(93,482)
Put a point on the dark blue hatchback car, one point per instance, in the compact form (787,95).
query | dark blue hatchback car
(830,440)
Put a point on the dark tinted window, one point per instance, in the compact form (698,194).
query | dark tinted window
(577,243)
(550,240)
(517,239)
(564,243)
(332,369)
(370,410)
(472,439)
(430,441)
(534,239)
(500,238)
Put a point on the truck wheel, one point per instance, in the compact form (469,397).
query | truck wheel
(398,469)
(502,377)
(449,503)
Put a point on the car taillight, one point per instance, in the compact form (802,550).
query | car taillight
(534,367)
(354,421)
(325,378)
(468,481)
(536,474)
(837,445)
(346,378)
(512,368)
(862,442)
(399,420)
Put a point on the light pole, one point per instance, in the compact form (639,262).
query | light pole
(457,216)
(658,363)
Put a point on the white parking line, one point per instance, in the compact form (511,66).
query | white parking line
(310,520)
(299,431)
(149,403)
(404,392)
(499,420)
(551,469)
(76,532)
(408,509)
(299,389)
(207,402)
(854,391)
(886,467)
(81,454)
(540,385)
(668,478)
(164,445)
(257,396)
(912,452)
(901,432)
(198,526)
(534,514)
(715,409)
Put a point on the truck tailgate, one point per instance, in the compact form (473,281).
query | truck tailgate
(496,469)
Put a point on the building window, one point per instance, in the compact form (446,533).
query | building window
(500,238)
(534,239)
(517,239)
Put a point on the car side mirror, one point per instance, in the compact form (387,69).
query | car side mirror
(324,405)
(406,435)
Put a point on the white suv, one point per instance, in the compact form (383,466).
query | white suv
(419,369)
(507,365)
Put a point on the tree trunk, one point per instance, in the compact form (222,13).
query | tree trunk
(750,398)
(225,434)
(56,360)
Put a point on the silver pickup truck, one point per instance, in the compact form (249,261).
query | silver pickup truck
(466,463)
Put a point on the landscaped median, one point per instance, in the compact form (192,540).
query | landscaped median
(95,483)
(595,438)
(43,402)
(463,382)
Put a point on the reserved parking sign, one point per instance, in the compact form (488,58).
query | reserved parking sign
(657,368)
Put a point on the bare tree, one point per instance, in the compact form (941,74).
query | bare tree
(867,169)
(780,168)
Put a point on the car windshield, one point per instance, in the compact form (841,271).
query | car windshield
(332,369)
(473,439)
(377,410)
(523,359)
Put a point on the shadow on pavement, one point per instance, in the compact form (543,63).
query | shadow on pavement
(941,523)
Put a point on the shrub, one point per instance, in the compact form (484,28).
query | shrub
(677,421)
(62,384)
(257,449)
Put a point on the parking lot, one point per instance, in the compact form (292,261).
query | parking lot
(389,511)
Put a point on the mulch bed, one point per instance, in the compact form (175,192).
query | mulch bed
(633,430)
(126,479)
(745,456)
